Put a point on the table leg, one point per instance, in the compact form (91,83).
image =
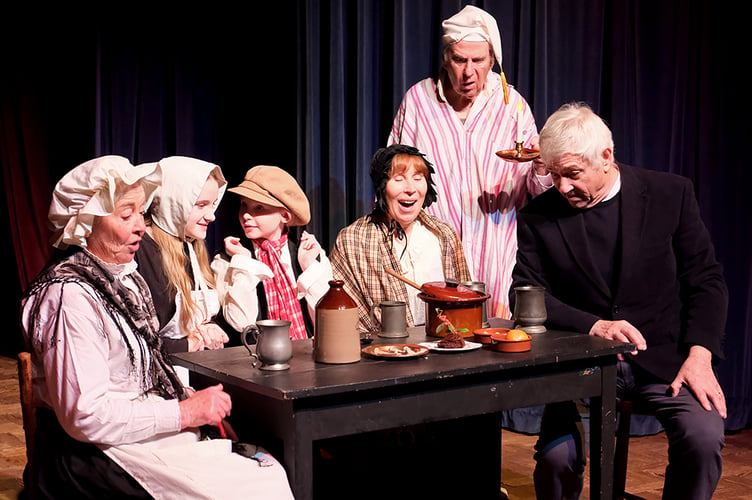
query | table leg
(298,461)
(602,432)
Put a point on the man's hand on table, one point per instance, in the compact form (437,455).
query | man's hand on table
(619,330)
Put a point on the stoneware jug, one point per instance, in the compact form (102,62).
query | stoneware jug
(273,344)
(336,338)
(530,308)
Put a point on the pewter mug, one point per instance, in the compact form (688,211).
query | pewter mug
(530,308)
(393,318)
(480,287)
(273,344)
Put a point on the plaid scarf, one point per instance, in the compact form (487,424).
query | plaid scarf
(117,302)
(281,295)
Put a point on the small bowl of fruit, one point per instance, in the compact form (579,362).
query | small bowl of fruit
(483,335)
(514,340)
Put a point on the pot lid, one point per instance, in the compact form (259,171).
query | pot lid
(442,290)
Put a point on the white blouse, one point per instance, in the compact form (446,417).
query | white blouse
(419,256)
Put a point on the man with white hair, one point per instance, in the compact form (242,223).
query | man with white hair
(623,254)
(459,121)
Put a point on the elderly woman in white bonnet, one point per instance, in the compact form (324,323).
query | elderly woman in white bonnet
(113,419)
(173,258)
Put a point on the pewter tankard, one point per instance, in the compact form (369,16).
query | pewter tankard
(393,318)
(273,344)
(530,308)
(479,286)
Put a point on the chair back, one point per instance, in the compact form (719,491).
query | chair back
(27,407)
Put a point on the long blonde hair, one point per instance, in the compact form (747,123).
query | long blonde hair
(175,261)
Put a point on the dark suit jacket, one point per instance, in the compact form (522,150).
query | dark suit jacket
(669,284)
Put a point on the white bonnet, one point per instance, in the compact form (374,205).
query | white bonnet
(183,178)
(473,25)
(88,191)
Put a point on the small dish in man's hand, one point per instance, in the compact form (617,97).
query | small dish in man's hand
(523,154)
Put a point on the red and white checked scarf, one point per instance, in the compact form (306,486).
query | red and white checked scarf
(281,296)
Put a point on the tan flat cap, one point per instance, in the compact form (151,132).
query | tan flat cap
(275,187)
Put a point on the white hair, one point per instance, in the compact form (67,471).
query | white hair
(575,129)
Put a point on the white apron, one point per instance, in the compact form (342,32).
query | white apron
(206,303)
(180,466)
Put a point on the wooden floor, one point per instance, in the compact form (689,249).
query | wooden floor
(12,442)
(647,457)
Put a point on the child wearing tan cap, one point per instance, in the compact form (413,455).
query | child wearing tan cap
(264,274)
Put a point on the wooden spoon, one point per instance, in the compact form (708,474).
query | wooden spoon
(406,280)
(437,289)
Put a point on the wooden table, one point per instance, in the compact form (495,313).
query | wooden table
(313,401)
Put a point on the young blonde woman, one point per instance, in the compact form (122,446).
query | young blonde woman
(173,258)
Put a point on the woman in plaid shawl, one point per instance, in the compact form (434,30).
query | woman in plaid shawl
(398,234)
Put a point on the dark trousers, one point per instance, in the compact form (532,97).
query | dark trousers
(695,439)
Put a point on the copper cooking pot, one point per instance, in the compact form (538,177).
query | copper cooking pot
(464,314)
(462,306)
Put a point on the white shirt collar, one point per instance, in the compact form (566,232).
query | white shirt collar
(615,188)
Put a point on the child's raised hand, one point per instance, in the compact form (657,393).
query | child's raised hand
(233,247)
(308,250)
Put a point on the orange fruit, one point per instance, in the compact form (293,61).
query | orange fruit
(517,335)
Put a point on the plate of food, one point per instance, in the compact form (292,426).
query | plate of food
(436,347)
(395,351)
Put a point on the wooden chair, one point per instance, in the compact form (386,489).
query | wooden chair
(27,408)
(625,409)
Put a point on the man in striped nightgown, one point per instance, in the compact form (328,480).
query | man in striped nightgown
(459,121)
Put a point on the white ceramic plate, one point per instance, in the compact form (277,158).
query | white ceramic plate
(434,346)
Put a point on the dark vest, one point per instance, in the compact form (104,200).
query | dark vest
(292,243)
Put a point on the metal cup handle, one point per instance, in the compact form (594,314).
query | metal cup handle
(254,331)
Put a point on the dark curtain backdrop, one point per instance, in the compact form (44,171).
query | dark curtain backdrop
(312,86)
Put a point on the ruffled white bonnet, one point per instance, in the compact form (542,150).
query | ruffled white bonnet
(88,191)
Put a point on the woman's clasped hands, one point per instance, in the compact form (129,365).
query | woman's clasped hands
(207,336)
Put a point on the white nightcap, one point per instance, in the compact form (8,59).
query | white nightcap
(473,25)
